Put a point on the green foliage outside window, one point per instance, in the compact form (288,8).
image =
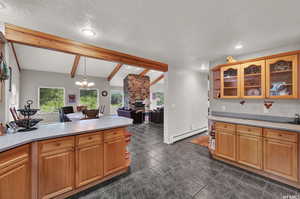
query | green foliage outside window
(89,98)
(51,99)
(160,98)
(116,99)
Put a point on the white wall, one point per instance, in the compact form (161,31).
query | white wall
(32,80)
(10,98)
(284,108)
(186,105)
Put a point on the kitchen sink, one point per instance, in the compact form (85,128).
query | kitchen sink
(294,122)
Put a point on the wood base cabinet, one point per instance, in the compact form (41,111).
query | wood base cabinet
(269,152)
(281,158)
(114,151)
(15,174)
(56,167)
(249,151)
(89,158)
(61,167)
(226,144)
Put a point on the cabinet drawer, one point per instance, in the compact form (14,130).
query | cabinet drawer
(281,135)
(56,144)
(114,133)
(249,130)
(226,126)
(14,156)
(225,131)
(88,139)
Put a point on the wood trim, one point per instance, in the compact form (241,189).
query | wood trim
(2,38)
(257,59)
(34,170)
(30,37)
(15,55)
(157,80)
(262,83)
(114,72)
(144,72)
(75,66)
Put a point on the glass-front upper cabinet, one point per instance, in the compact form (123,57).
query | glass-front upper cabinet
(282,77)
(253,80)
(216,83)
(230,81)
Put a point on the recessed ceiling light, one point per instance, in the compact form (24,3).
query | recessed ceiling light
(238,46)
(2,6)
(88,32)
(203,67)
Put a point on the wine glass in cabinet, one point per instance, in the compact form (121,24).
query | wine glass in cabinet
(282,77)
(253,80)
(230,81)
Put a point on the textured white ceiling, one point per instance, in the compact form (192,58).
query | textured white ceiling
(180,33)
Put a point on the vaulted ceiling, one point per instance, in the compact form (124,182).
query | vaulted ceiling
(179,33)
(32,58)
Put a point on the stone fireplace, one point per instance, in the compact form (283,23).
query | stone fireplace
(136,90)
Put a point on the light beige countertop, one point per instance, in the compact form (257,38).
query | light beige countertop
(264,124)
(49,131)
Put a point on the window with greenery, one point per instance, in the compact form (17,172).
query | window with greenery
(116,100)
(51,99)
(89,98)
(158,97)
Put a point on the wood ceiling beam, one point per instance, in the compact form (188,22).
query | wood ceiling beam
(75,66)
(157,80)
(29,37)
(114,72)
(15,55)
(144,72)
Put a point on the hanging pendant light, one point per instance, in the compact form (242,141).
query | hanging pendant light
(84,83)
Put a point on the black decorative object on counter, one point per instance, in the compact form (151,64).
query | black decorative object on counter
(27,123)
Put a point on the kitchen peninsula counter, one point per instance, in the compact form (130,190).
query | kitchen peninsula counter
(56,130)
(59,160)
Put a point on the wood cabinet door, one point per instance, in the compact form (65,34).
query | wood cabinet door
(282,77)
(89,164)
(56,173)
(253,81)
(249,151)
(230,81)
(226,144)
(114,155)
(281,158)
(15,181)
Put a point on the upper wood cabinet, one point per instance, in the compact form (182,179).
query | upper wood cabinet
(230,81)
(282,77)
(15,174)
(272,76)
(253,80)
(216,74)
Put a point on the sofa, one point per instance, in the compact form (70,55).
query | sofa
(157,116)
(137,116)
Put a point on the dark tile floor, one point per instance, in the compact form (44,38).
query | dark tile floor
(182,170)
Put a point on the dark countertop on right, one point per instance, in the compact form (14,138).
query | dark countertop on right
(258,123)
